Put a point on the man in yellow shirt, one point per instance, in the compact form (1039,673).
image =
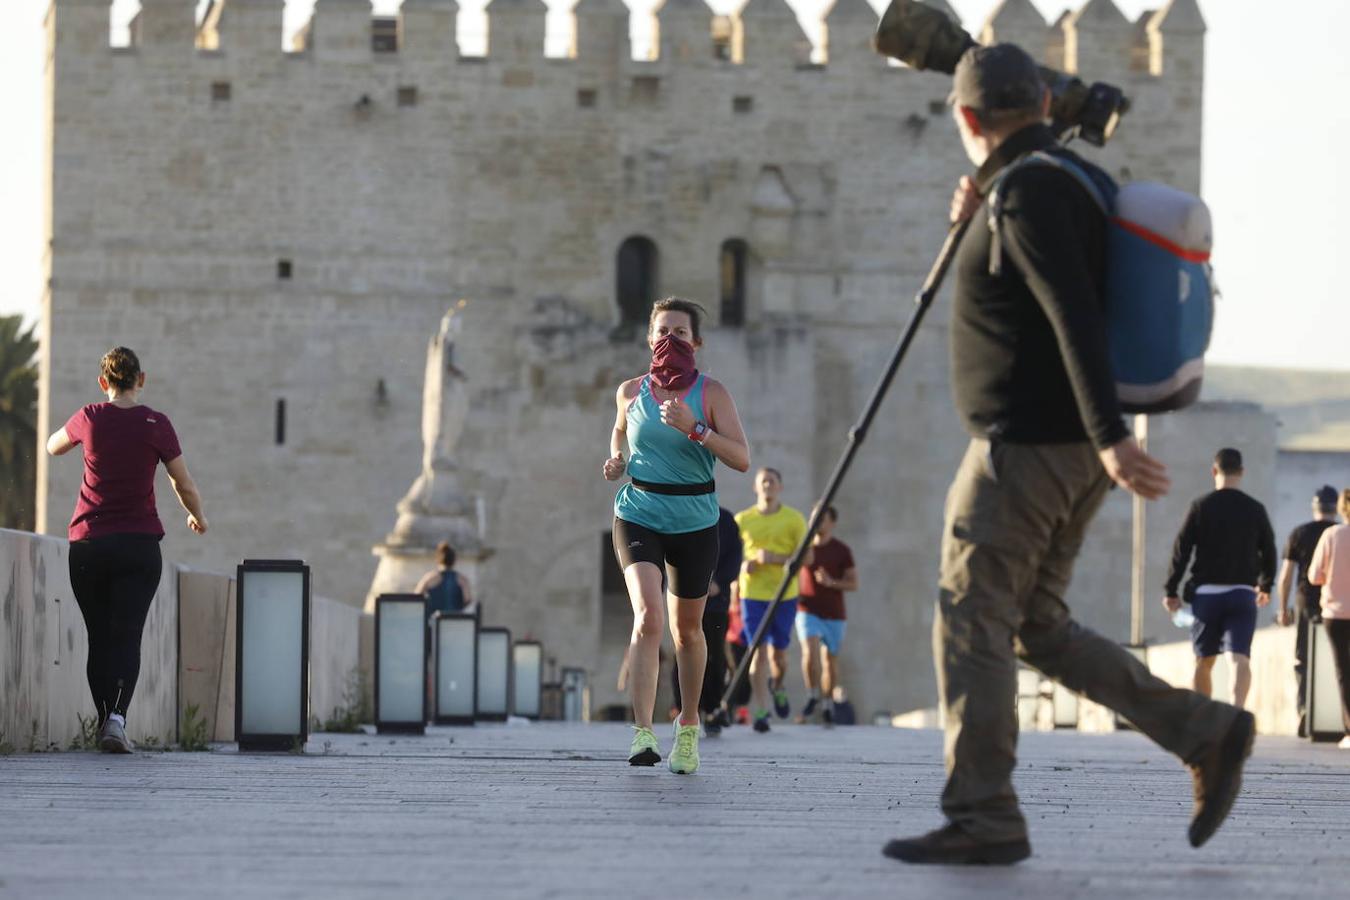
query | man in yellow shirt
(770,533)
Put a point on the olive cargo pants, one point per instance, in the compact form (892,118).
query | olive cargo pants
(1015,519)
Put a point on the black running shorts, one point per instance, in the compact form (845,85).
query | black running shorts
(688,559)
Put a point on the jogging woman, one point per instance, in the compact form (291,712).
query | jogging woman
(115,563)
(676,423)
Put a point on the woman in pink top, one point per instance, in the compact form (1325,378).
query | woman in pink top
(1330,568)
(115,563)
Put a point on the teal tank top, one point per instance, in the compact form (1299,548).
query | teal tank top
(664,455)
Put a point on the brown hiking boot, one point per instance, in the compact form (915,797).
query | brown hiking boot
(1218,777)
(951,846)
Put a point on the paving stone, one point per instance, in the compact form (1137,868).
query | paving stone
(553,810)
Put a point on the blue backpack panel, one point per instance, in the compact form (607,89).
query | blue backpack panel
(1159,285)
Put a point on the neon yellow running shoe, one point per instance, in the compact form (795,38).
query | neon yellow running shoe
(684,756)
(645,751)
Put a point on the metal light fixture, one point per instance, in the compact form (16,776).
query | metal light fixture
(527,676)
(456,671)
(1324,694)
(271,663)
(576,696)
(494,674)
(400,664)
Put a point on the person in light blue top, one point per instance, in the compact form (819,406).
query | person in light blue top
(676,423)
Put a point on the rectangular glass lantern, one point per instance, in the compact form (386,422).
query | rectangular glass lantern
(527,676)
(456,667)
(1065,704)
(575,696)
(494,674)
(1139,652)
(271,664)
(1324,694)
(400,663)
(1028,698)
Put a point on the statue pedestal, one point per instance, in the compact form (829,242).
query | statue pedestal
(401,568)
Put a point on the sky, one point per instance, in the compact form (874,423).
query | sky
(1272,145)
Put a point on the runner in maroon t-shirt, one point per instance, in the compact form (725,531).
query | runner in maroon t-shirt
(820,614)
(114,534)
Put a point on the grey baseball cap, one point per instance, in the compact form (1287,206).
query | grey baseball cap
(1003,76)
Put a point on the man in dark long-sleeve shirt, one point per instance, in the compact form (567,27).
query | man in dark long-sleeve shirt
(1234,547)
(1298,553)
(1033,383)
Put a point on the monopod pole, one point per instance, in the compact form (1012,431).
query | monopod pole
(923,300)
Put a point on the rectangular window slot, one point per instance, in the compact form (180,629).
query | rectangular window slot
(281,422)
(220,92)
(384,34)
(742,105)
(284,269)
(645,89)
(586,98)
(407,96)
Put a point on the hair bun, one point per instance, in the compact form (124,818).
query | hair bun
(121,368)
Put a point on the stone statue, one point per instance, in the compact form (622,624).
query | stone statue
(435,508)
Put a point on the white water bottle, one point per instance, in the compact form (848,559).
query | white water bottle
(1183,618)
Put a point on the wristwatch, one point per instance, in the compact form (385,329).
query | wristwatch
(699,432)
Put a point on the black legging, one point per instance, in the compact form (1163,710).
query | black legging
(715,672)
(1338,630)
(115,578)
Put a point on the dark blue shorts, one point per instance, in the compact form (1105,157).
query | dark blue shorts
(1224,623)
(779,635)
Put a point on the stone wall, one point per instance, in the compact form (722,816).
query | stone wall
(43,648)
(185,172)
(1274,693)
(187,651)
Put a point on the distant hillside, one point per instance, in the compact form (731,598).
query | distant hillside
(1313,405)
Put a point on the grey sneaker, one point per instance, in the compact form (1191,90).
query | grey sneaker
(112,738)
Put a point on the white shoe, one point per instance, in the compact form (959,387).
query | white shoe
(112,737)
(1345,743)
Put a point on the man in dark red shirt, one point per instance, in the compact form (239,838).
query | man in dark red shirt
(820,615)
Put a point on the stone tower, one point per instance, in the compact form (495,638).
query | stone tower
(278,232)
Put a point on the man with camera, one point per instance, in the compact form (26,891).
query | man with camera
(1033,384)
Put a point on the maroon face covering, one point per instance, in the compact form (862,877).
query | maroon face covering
(673,364)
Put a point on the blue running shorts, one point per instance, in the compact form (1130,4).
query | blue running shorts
(830,631)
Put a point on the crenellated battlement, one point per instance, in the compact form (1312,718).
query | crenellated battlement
(1096,39)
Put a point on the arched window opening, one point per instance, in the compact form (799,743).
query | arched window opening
(635,280)
(734,260)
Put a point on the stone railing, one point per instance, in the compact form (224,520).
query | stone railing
(43,649)
(1273,696)
(187,651)
(1274,693)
